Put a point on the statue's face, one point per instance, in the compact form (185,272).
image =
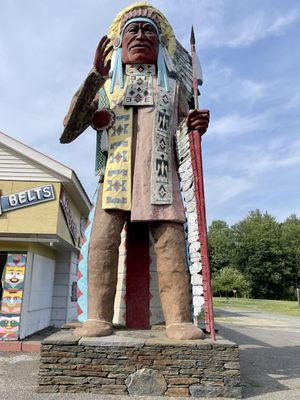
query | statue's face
(139,44)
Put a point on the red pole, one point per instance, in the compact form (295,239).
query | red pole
(196,156)
(197,165)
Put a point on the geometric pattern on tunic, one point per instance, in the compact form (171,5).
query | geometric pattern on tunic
(120,129)
(161,172)
(140,69)
(119,155)
(139,88)
(117,179)
(139,91)
(116,185)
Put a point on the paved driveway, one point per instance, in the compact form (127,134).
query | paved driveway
(270,360)
(270,352)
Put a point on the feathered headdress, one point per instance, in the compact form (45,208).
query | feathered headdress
(173,57)
(142,12)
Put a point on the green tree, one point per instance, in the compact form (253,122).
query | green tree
(220,244)
(290,244)
(229,279)
(258,254)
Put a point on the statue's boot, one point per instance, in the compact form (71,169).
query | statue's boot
(94,328)
(173,280)
(184,331)
(102,271)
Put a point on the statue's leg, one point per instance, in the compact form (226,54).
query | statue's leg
(173,280)
(102,271)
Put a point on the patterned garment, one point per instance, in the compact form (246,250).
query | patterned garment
(117,180)
(138,93)
(139,89)
(161,189)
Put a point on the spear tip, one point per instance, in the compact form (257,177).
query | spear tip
(192,40)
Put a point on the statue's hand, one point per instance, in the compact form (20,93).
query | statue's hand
(102,51)
(103,119)
(198,120)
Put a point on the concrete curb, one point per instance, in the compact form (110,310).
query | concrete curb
(25,346)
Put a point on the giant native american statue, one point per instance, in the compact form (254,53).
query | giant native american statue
(135,101)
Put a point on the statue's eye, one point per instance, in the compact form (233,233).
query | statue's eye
(148,28)
(133,28)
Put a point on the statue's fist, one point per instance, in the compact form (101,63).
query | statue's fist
(103,119)
(102,51)
(198,120)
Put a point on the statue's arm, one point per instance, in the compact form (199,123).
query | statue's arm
(84,102)
(82,107)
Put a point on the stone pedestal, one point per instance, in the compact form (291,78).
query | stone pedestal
(139,363)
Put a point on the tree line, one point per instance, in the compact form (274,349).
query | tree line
(258,257)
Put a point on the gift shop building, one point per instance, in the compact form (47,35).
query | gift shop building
(43,211)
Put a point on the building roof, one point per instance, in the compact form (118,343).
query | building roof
(59,171)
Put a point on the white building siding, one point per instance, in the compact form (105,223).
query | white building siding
(37,303)
(63,308)
(60,291)
(14,166)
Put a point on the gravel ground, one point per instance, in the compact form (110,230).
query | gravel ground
(270,354)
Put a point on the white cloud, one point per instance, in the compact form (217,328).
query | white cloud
(221,188)
(223,82)
(235,124)
(278,154)
(259,26)
(233,24)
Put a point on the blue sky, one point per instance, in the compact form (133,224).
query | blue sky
(250,56)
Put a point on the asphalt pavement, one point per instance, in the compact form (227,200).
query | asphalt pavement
(270,352)
(270,360)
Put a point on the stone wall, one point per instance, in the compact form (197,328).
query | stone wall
(139,363)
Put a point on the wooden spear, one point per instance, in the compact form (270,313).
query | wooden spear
(196,155)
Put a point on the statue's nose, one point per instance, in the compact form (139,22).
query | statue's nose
(140,33)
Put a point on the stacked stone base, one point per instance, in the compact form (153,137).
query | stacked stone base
(139,363)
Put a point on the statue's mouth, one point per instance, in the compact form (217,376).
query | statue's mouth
(140,46)
(14,280)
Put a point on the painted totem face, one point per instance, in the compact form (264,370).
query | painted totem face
(14,276)
(11,302)
(139,44)
(9,326)
(17,258)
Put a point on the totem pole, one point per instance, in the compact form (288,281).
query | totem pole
(138,102)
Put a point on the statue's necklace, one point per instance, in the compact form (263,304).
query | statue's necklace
(139,87)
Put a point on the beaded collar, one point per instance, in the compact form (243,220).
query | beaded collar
(140,70)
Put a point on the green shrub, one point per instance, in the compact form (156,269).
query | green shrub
(229,279)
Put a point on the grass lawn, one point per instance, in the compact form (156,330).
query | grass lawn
(279,306)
